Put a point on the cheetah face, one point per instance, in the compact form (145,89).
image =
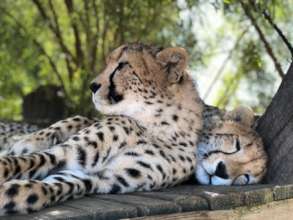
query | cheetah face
(133,75)
(231,154)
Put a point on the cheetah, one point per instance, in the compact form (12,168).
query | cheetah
(229,151)
(241,118)
(147,140)
(11,132)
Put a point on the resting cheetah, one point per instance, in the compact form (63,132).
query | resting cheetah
(146,142)
(231,122)
(229,151)
(11,132)
(234,123)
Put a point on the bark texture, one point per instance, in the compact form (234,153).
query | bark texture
(276,128)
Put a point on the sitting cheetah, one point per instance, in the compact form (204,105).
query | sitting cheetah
(146,141)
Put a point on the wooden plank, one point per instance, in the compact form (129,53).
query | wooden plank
(182,198)
(103,210)
(198,189)
(283,192)
(218,197)
(52,213)
(81,209)
(186,202)
(144,205)
(209,215)
(227,197)
(281,210)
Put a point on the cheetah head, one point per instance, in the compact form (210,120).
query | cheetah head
(137,76)
(232,153)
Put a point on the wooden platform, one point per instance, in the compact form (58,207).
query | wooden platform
(183,199)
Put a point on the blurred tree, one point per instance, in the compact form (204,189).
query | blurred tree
(65,43)
(263,47)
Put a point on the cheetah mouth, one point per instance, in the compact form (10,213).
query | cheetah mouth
(206,178)
(202,175)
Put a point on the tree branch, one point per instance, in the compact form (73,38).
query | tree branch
(53,65)
(104,33)
(92,37)
(269,19)
(222,67)
(279,31)
(78,48)
(68,55)
(224,99)
(96,38)
(54,27)
(88,31)
(263,39)
(121,29)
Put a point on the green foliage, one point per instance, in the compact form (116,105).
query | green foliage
(251,78)
(65,43)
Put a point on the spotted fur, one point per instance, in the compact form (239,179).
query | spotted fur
(11,132)
(146,141)
(229,151)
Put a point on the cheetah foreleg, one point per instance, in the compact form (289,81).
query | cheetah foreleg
(25,196)
(32,166)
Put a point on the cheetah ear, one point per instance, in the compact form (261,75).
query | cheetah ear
(241,114)
(174,61)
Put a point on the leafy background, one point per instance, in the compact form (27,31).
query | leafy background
(236,55)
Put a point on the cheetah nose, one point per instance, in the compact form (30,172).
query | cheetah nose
(221,171)
(95,87)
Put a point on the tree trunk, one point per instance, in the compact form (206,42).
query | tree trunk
(276,129)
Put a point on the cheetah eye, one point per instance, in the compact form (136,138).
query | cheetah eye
(121,65)
(180,80)
(136,76)
(238,147)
